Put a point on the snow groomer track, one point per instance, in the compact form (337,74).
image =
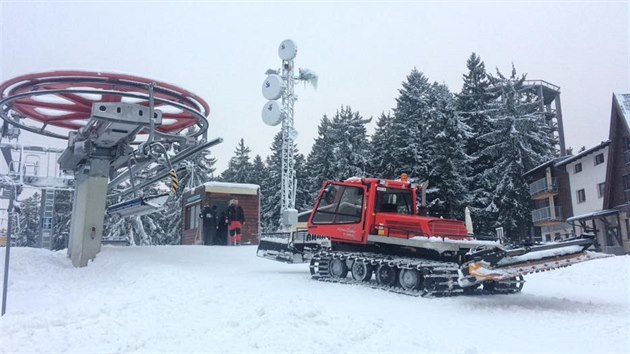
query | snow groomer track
(438,278)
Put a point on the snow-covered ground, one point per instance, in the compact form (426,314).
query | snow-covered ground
(225,299)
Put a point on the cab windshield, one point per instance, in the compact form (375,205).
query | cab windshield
(339,205)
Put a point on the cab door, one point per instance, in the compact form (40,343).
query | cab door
(340,212)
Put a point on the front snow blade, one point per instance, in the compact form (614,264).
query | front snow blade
(291,247)
(498,264)
(279,247)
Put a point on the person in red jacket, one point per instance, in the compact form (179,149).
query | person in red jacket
(236,219)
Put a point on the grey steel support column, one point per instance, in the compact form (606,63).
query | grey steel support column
(563,150)
(5,283)
(86,229)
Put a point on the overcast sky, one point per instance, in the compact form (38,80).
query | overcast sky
(362,52)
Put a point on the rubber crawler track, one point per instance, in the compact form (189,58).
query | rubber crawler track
(444,275)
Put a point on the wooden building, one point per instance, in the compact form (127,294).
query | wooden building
(212,198)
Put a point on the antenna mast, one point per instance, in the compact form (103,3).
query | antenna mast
(281,84)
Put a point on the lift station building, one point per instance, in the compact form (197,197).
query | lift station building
(214,197)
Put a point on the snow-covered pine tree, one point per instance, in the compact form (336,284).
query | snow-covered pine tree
(425,139)
(381,155)
(520,140)
(28,232)
(258,172)
(63,217)
(350,151)
(340,150)
(270,188)
(116,227)
(239,167)
(473,103)
(447,159)
(319,163)
(408,126)
(302,195)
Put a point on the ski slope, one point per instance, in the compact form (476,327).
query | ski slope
(225,299)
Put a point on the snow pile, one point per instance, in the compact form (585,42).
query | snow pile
(225,299)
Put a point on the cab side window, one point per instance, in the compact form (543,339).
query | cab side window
(390,201)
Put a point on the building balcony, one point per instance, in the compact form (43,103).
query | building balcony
(626,157)
(547,216)
(540,189)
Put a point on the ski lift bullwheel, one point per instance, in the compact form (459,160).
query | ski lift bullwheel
(63,99)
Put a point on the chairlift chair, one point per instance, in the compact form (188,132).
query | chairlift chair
(139,206)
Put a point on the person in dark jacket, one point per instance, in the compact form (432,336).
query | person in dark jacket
(222,228)
(236,218)
(210,225)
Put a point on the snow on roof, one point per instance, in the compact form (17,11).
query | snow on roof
(545,164)
(579,155)
(232,188)
(593,214)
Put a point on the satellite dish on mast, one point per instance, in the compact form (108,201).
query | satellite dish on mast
(273,87)
(272,113)
(287,50)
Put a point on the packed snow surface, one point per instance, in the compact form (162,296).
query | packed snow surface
(225,299)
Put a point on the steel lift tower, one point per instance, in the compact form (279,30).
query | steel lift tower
(549,96)
(124,134)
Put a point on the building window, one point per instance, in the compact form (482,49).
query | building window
(581,196)
(628,228)
(626,152)
(578,167)
(46,223)
(626,187)
(600,189)
(599,159)
(192,221)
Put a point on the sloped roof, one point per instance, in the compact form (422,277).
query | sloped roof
(624,103)
(581,154)
(563,160)
(552,162)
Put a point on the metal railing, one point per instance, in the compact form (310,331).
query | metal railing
(541,83)
(541,186)
(544,214)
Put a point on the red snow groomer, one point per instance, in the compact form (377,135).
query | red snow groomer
(366,226)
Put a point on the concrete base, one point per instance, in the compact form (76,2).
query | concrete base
(86,229)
